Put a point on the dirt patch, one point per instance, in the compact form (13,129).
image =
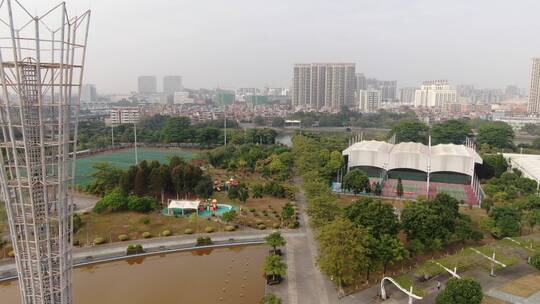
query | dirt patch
(523,287)
(490,300)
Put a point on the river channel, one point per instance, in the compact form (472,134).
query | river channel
(208,276)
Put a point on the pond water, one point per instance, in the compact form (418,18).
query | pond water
(207,276)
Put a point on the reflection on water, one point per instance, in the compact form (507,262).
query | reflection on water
(202,276)
(206,251)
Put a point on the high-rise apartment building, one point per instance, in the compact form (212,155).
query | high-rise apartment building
(406,95)
(434,94)
(360,82)
(323,86)
(88,93)
(147,84)
(124,115)
(172,84)
(369,101)
(388,88)
(534,89)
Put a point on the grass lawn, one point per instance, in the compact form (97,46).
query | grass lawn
(255,211)
(112,224)
(523,287)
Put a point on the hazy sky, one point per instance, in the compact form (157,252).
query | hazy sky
(254,43)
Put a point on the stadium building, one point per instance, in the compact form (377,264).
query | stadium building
(424,170)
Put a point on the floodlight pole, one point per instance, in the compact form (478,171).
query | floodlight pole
(136,152)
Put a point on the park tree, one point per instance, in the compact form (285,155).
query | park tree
(141,204)
(114,200)
(177,178)
(355,181)
(496,134)
(399,187)
(176,130)
(506,221)
(323,210)
(128,178)
(450,132)
(105,177)
(410,130)
(423,223)
(531,218)
(463,291)
(343,251)
(287,214)
(390,250)
(140,183)
(156,184)
(208,136)
(259,121)
(493,166)
(278,122)
(275,240)
(274,266)
(334,163)
(204,187)
(243,193)
(378,217)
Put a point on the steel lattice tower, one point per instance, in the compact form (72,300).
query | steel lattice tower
(41,68)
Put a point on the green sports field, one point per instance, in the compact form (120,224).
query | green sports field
(125,158)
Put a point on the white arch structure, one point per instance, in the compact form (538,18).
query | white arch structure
(409,292)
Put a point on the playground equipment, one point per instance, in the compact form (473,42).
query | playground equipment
(493,261)
(409,292)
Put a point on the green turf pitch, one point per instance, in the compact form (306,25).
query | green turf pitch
(123,159)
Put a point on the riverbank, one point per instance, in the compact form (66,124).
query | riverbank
(117,251)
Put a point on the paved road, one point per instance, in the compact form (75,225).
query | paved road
(84,202)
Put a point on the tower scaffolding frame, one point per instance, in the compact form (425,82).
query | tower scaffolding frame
(41,73)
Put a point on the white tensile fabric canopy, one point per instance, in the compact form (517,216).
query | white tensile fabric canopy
(184,204)
(528,164)
(369,153)
(409,155)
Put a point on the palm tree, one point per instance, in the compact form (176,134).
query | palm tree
(274,266)
(275,240)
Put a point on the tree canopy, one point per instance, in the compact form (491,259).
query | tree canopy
(450,132)
(410,130)
(496,134)
(343,250)
(356,181)
(378,217)
(463,291)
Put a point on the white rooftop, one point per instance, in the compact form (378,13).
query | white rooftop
(529,164)
(184,204)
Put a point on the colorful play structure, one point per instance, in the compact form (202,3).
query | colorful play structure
(220,185)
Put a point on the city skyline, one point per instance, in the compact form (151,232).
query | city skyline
(484,43)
